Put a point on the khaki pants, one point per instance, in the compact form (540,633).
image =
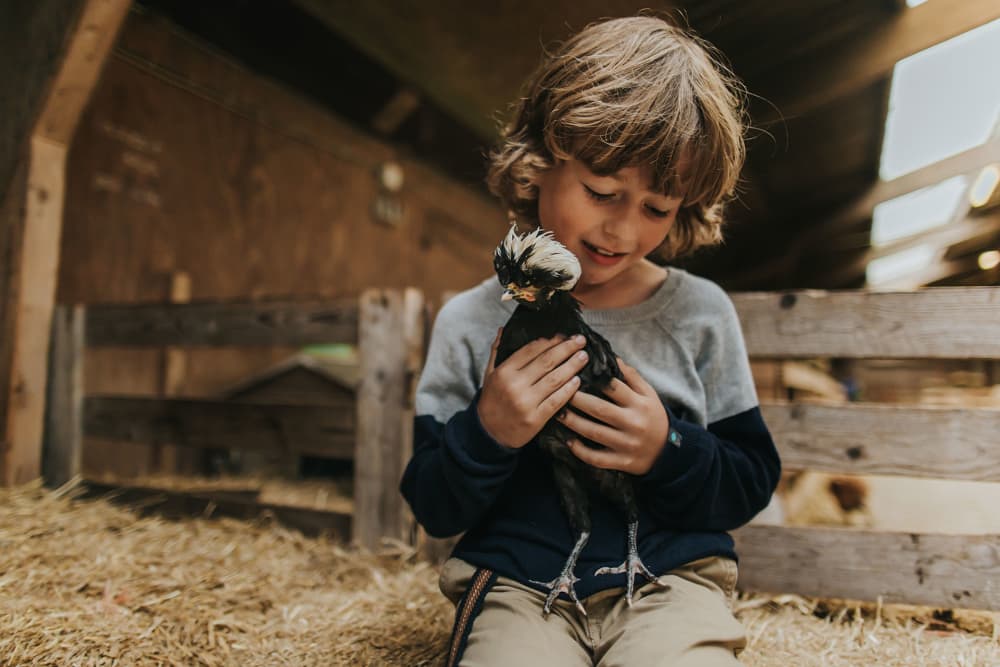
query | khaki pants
(688,624)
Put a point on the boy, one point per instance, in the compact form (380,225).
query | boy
(626,145)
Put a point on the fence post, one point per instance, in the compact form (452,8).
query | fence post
(63,441)
(390,341)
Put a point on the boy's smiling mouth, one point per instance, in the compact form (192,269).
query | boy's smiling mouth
(602,256)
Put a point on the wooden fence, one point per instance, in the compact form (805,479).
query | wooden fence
(859,438)
(374,428)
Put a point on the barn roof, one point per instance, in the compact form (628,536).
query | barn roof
(437,75)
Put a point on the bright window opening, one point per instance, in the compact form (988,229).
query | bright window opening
(899,265)
(917,211)
(944,100)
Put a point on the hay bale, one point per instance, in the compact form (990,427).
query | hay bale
(90,583)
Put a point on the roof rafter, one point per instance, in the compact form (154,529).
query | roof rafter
(860,62)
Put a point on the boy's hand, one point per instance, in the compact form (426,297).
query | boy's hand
(530,386)
(635,425)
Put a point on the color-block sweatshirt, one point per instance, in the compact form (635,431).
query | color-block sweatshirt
(685,340)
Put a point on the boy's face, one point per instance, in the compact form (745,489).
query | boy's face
(596,215)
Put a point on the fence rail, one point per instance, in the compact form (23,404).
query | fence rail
(373,428)
(859,438)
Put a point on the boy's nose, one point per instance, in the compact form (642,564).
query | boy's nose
(621,227)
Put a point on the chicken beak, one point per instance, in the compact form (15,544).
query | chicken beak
(520,294)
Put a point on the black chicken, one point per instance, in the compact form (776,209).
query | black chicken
(539,272)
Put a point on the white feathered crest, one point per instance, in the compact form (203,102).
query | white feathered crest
(538,250)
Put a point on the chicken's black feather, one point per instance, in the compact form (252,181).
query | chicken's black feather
(547,309)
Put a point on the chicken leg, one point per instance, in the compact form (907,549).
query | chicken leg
(573,497)
(624,495)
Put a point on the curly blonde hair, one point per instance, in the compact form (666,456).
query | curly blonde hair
(629,92)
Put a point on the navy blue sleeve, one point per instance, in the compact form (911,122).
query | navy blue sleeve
(716,478)
(456,473)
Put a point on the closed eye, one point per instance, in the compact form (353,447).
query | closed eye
(593,194)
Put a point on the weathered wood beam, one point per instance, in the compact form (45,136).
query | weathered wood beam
(175,504)
(838,72)
(942,269)
(984,227)
(967,162)
(38,254)
(226,324)
(938,323)
(399,107)
(939,570)
(871,439)
(327,430)
(391,352)
(63,446)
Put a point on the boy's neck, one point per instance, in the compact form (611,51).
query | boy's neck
(627,289)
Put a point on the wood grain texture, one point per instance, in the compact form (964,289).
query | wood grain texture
(939,570)
(32,313)
(186,161)
(934,323)
(63,445)
(391,346)
(225,324)
(950,443)
(318,430)
(184,504)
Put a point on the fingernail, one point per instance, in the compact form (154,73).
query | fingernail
(582,354)
(578,338)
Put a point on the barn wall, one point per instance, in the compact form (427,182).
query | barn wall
(186,162)
(33,38)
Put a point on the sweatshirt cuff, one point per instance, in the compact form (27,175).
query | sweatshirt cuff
(478,445)
(680,452)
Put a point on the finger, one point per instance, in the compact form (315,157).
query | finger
(558,376)
(493,354)
(619,392)
(554,356)
(601,433)
(599,458)
(527,353)
(598,408)
(635,380)
(558,399)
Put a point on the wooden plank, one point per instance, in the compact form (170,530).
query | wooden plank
(88,49)
(938,323)
(33,313)
(966,162)
(64,412)
(170,459)
(940,570)
(11,230)
(859,62)
(872,439)
(185,504)
(391,346)
(224,324)
(307,429)
(39,252)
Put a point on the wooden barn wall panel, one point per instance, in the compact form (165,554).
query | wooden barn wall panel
(184,162)
(11,236)
(33,35)
(163,178)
